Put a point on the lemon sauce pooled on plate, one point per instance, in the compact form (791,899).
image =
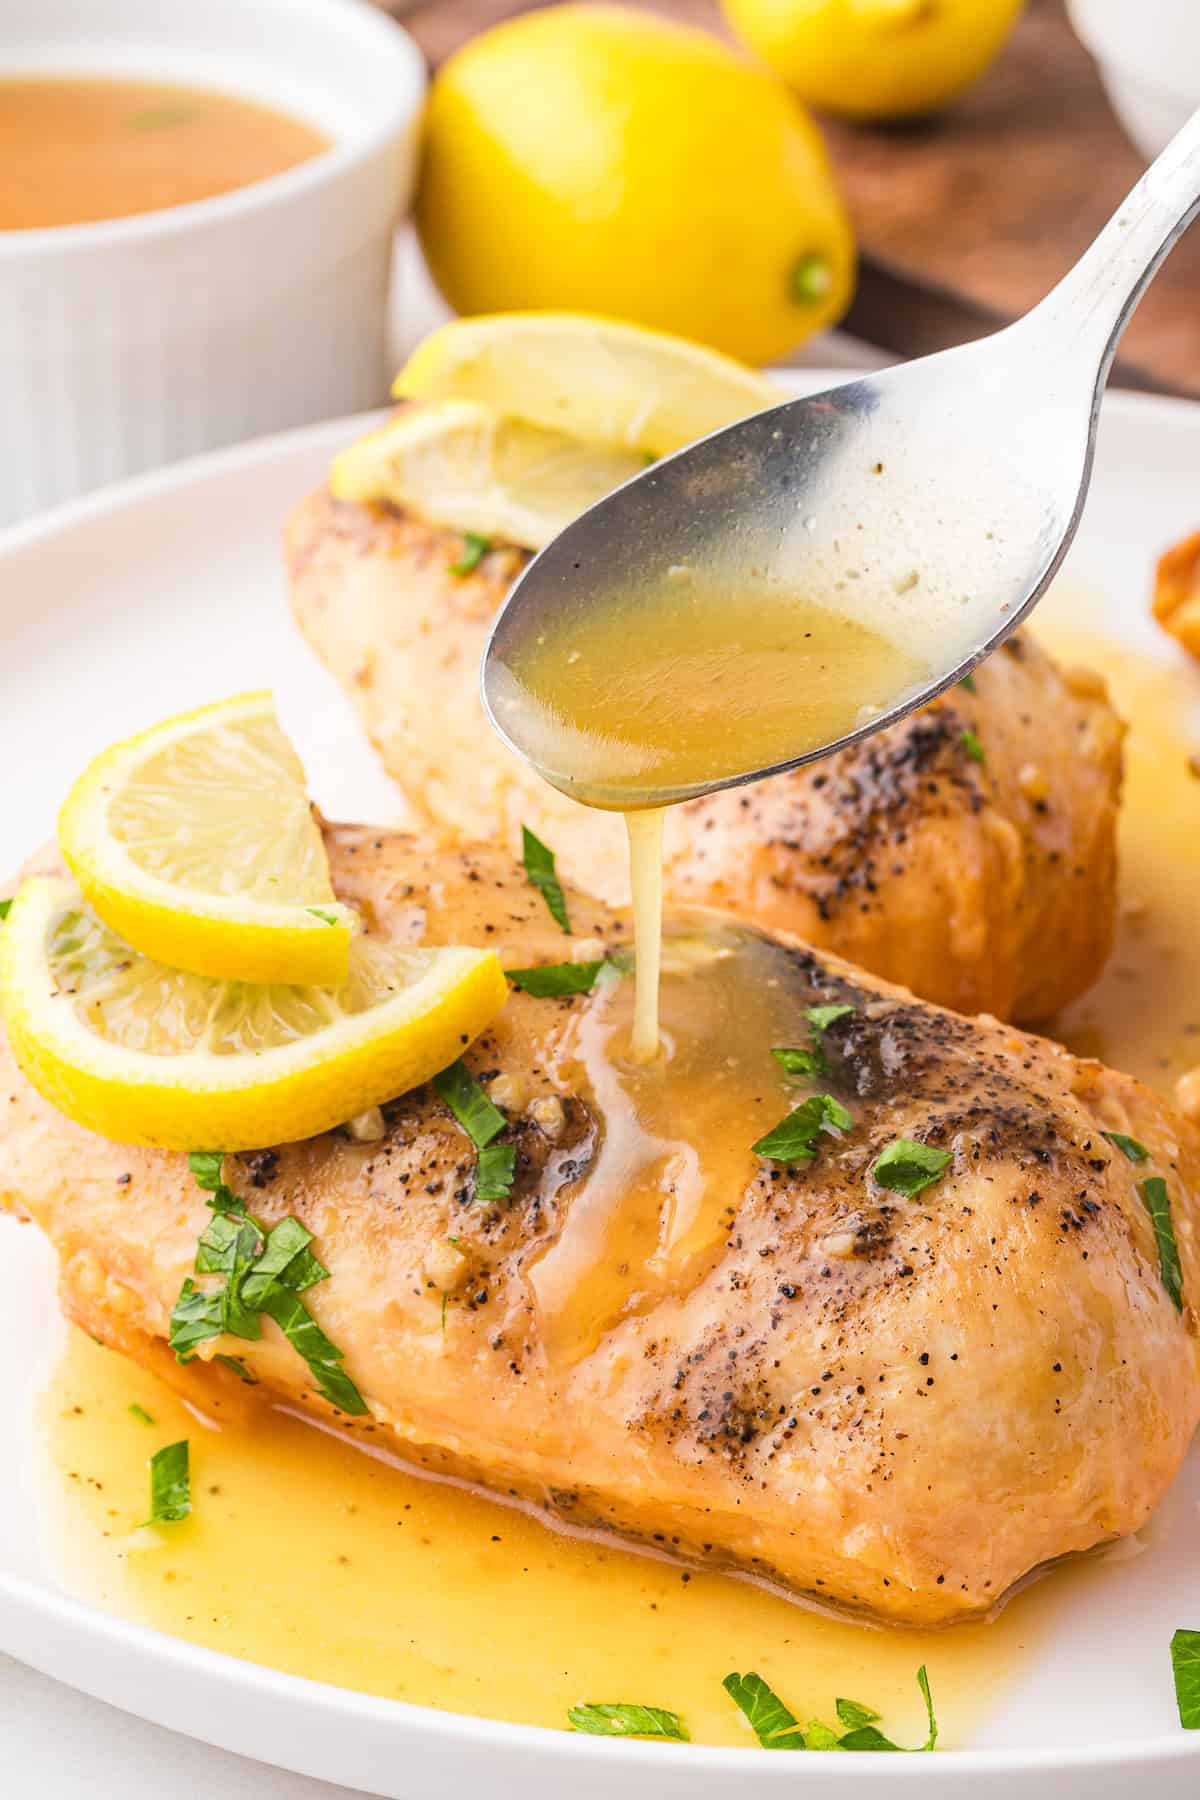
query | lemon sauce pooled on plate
(309,1554)
(305,1554)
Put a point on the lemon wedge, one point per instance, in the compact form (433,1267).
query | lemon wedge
(527,419)
(594,379)
(195,841)
(145,1054)
(459,463)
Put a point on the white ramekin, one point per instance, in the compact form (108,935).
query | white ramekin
(1148,54)
(128,343)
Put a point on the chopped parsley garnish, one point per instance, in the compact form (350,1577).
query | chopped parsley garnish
(475,548)
(263,1270)
(973,747)
(539,867)
(623,1720)
(865,1735)
(494,1172)
(170,1487)
(5,909)
(238,1367)
(553,979)
(794,1139)
(228,1242)
(806,1063)
(230,1245)
(818,1736)
(853,1714)
(286,1259)
(482,1123)
(775,1727)
(809,1061)
(1157,1203)
(923,1683)
(822,1017)
(205,1167)
(141,1415)
(309,1341)
(968,682)
(1185,1663)
(1128,1146)
(318,912)
(907,1167)
(470,1105)
(198,1316)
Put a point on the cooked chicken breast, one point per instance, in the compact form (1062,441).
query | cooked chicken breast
(968,852)
(1177,592)
(900,1403)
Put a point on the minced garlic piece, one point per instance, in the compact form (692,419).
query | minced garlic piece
(549,1114)
(683,956)
(367,1127)
(446,1265)
(840,1244)
(507,1091)
(1187,1095)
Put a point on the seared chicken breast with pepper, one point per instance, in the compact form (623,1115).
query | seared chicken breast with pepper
(922,1343)
(1177,592)
(968,852)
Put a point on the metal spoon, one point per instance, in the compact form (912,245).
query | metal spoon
(936,499)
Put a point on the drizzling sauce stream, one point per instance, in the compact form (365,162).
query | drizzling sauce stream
(644,703)
(646,880)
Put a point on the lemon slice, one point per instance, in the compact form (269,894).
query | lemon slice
(195,842)
(144,1054)
(459,463)
(595,379)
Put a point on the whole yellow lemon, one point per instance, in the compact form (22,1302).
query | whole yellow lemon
(600,159)
(875,59)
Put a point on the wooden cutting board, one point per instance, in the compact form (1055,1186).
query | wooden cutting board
(966,220)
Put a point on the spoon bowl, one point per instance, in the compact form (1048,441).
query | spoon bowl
(930,504)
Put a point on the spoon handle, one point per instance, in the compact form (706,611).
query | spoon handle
(1090,308)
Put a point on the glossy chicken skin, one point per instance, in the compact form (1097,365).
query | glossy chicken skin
(987,885)
(899,1405)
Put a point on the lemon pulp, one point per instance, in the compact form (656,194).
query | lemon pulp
(460,463)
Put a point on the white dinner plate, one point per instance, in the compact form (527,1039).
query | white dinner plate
(169,591)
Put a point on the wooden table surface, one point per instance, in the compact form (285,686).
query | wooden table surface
(966,220)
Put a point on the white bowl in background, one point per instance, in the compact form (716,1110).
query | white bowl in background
(1148,54)
(131,342)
